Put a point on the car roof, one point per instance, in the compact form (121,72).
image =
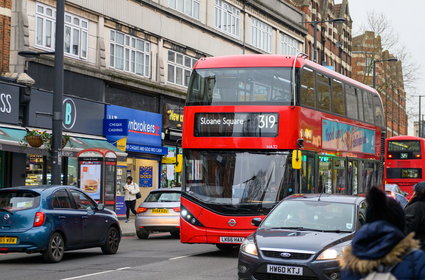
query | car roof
(39,188)
(337,198)
(167,190)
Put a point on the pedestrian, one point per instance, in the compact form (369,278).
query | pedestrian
(381,244)
(130,190)
(415,214)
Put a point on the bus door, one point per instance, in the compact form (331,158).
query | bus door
(324,177)
(339,181)
(308,182)
(368,178)
(353,176)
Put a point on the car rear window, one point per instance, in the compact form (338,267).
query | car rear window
(163,197)
(19,200)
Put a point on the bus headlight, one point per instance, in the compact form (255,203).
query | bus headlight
(187,216)
(248,246)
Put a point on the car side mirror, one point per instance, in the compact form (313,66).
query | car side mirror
(256,222)
(100,206)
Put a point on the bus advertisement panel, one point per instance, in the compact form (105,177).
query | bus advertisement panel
(245,115)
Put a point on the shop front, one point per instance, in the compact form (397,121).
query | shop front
(139,134)
(82,125)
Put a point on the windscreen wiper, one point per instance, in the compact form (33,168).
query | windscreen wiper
(5,210)
(298,228)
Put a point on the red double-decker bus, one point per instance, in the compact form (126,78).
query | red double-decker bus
(404,162)
(244,117)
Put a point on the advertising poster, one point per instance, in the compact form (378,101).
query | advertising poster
(120,206)
(344,137)
(145,177)
(90,178)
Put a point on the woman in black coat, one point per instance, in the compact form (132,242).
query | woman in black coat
(415,214)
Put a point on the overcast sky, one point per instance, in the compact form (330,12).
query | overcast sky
(408,21)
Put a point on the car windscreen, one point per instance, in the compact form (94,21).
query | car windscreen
(163,197)
(15,200)
(314,215)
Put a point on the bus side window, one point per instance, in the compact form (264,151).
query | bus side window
(379,114)
(351,97)
(323,92)
(338,100)
(368,106)
(360,102)
(308,95)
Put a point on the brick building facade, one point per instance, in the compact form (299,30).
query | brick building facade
(5,21)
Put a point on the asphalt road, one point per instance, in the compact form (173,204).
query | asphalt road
(159,257)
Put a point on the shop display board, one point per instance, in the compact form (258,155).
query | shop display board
(90,176)
(145,177)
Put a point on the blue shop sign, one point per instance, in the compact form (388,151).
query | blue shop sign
(144,128)
(147,149)
(115,127)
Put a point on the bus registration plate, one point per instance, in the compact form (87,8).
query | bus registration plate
(231,239)
(282,269)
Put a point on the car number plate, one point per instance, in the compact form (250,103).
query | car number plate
(160,211)
(8,240)
(282,269)
(231,239)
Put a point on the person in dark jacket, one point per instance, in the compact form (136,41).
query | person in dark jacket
(415,214)
(382,242)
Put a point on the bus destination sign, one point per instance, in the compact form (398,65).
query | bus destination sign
(259,124)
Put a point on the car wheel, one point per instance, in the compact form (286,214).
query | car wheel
(112,241)
(55,249)
(142,234)
(225,247)
(175,233)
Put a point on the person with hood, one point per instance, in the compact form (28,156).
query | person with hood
(381,243)
(415,214)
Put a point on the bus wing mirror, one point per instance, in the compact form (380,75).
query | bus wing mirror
(256,222)
(296,159)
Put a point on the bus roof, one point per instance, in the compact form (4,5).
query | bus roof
(271,60)
(404,137)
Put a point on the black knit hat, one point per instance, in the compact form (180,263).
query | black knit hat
(381,207)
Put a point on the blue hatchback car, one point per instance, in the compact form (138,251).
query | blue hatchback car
(54,219)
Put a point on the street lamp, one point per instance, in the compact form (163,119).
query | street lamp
(57,92)
(374,67)
(314,23)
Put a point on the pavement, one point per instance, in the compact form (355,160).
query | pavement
(127,229)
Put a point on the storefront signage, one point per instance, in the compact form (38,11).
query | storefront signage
(79,115)
(338,136)
(145,176)
(9,104)
(147,149)
(69,113)
(173,117)
(144,128)
(115,127)
(259,124)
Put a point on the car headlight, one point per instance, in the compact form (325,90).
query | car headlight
(248,246)
(330,253)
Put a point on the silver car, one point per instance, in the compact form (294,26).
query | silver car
(159,212)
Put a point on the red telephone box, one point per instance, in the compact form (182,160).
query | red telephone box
(97,168)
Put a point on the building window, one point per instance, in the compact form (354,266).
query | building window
(188,7)
(75,32)
(227,18)
(368,66)
(179,68)
(261,35)
(288,45)
(129,54)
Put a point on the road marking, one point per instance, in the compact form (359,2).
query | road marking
(176,258)
(96,273)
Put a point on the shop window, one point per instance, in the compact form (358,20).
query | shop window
(34,170)
(339,176)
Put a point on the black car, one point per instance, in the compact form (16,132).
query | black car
(301,238)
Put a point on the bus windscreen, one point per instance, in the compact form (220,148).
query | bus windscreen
(404,150)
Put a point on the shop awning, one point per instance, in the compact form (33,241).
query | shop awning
(11,140)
